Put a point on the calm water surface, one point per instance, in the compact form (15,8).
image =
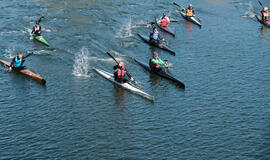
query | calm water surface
(222,114)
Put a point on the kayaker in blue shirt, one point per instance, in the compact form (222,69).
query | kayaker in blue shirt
(18,62)
(155,37)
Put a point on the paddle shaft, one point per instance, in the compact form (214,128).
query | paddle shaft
(260,3)
(178,5)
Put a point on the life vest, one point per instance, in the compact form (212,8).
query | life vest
(189,13)
(120,74)
(152,65)
(37,29)
(265,15)
(18,62)
(164,22)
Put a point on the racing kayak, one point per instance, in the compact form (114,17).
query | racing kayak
(39,38)
(166,29)
(261,21)
(191,19)
(161,74)
(26,72)
(127,86)
(163,47)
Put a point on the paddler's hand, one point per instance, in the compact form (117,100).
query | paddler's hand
(132,79)
(166,63)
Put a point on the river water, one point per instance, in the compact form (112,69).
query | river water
(222,114)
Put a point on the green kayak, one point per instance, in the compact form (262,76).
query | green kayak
(39,38)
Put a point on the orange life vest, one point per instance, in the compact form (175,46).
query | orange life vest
(189,13)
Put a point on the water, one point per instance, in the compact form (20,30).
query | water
(222,114)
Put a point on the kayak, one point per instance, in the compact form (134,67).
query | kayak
(191,19)
(163,47)
(166,29)
(161,74)
(40,39)
(26,73)
(127,86)
(262,22)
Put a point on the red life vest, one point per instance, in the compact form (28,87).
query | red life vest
(164,22)
(120,73)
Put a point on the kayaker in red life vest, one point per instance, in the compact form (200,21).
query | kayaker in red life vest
(190,12)
(265,14)
(120,72)
(156,63)
(36,30)
(164,21)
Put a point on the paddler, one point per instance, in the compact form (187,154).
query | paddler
(36,29)
(17,62)
(190,12)
(120,72)
(155,37)
(156,63)
(164,21)
(265,14)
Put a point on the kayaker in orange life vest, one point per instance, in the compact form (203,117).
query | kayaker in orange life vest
(164,21)
(120,72)
(36,29)
(265,14)
(156,63)
(190,12)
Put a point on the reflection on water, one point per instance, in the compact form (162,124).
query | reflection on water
(264,30)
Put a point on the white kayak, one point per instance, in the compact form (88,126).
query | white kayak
(127,85)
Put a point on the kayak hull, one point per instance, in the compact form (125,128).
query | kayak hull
(191,19)
(163,47)
(127,86)
(26,73)
(261,21)
(161,74)
(166,29)
(40,39)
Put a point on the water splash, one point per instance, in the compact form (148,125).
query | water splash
(80,67)
(126,30)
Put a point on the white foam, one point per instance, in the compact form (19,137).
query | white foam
(80,67)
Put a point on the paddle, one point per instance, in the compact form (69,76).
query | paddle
(28,55)
(138,84)
(260,3)
(178,5)
(39,20)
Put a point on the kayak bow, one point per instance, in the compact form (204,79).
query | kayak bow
(26,72)
(166,29)
(163,47)
(40,39)
(127,86)
(161,74)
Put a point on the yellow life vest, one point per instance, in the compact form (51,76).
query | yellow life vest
(189,13)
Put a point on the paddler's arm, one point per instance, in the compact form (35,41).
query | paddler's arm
(160,62)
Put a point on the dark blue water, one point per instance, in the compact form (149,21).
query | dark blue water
(222,114)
